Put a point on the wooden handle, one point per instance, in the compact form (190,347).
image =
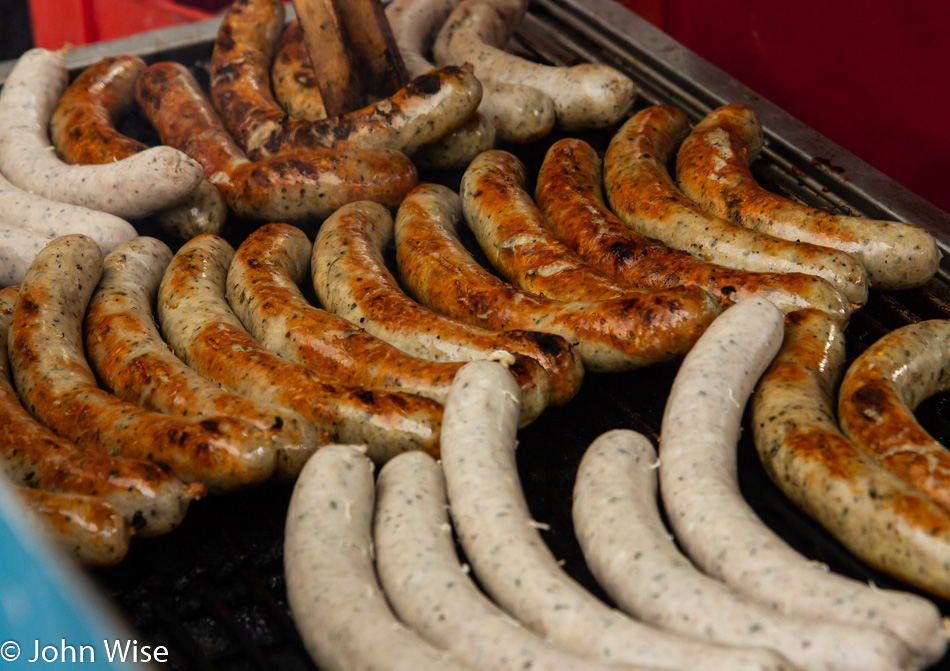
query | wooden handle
(331,54)
(380,64)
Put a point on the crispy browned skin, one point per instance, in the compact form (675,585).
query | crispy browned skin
(511,231)
(132,359)
(879,393)
(83,124)
(151,498)
(568,194)
(200,326)
(609,335)
(293,79)
(263,288)
(86,528)
(881,519)
(58,387)
(326,36)
(83,130)
(351,279)
(712,168)
(644,197)
(423,111)
(295,186)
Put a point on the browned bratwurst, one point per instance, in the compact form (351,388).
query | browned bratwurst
(86,528)
(296,186)
(642,194)
(152,499)
(351,279)
(610,335)
(712,168)
(568,193)
(83,130)
(293,79)
(263,288)
(203,330)
(425,110)
(58,387)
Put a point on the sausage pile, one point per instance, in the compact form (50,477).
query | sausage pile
(313,311)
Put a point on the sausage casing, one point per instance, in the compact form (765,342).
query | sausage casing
(351,278)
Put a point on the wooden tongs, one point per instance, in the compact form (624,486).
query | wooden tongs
(354,54)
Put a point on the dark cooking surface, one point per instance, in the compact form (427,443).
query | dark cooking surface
(213,591)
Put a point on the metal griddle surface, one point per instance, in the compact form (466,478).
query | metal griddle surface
(213,591)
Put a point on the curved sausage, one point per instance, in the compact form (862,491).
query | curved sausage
(263,288)
(297,186)
(420,113)
(879,393)
(130,356)
(84,527)
(296,91)
(511,232)
(57,386)
(522,113)
(83,131)
(616,334)
(18,248)
(152,500)
(629,551)
(334,595)
(429,589)
(569,196)
(712,168)
(510,559)
(131,188)
(351,279)
(642,194)
(713,523)
(203,331)
(49,219)
(589,95)
(882,520)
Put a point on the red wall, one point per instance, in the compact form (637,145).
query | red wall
(873,76)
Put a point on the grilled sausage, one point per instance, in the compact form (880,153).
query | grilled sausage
(429,589)
(699,486)
(509,557)
(641,192)
(86,528)
(298,186)
(131,188)
(351,279)
(879,393)
(618,334)
(882,520)
(152,500)
(712,168)
(83,131)
(131,358)
(18,248)
(522,114)
(49,219)
(59,389)
(295,89)
(511,232)
(590,95)
(334,595)
(263,288)
(626,546)
(420,113)
(201,328)
(292,77)
(569,196)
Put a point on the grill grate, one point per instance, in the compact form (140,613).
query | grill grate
(213,591)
